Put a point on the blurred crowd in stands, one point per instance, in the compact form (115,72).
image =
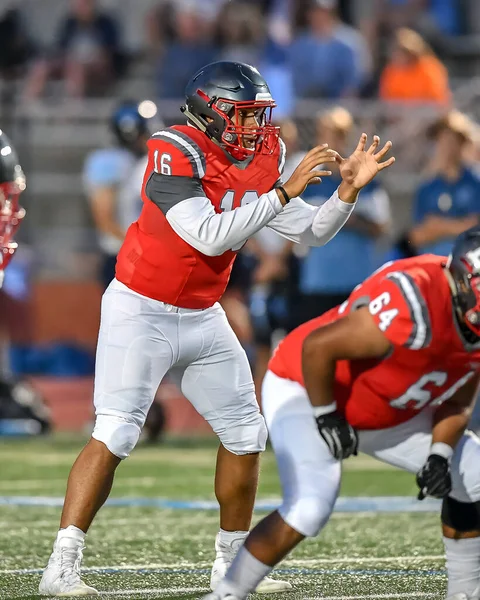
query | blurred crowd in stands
(395,50)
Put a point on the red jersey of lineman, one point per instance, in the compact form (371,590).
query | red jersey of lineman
(411,303)
(156,262)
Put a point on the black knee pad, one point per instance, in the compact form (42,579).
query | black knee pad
(461,516)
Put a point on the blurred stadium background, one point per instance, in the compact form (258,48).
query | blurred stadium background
(408,70)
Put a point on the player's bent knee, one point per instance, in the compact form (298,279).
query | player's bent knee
(119,434)
(308,515)
(247,437)
(465,471)
(461,516)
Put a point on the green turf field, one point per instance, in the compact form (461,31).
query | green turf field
(144,552)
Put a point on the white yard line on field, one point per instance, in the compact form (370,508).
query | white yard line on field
(171,592)
(162,591)
(298,563)
(376,596)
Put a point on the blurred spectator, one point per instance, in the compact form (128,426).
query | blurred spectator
(326,60)
(289,134)
(414,74)
(186,53)
(15,45)
(240,33)
(435,16)
(328,274)
(449,201)
(88,52)
(113,180)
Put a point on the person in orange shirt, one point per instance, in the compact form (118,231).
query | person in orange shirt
(414,73)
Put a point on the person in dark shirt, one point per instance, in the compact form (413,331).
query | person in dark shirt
(87,53)
(185,53)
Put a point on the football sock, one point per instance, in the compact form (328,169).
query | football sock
(70,535)
(227,537)
(243,576)
(463,565)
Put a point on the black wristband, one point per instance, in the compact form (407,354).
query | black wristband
(284,193)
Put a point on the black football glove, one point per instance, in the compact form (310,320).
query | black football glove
(434,478)
(340,437)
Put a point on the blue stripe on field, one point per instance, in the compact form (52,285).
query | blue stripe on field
(284,571)
(372,504)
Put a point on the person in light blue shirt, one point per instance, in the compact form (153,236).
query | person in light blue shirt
(109,175)
(448,202)
(323,63)
(329,273)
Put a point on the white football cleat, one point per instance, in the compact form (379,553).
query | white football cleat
(61,577)
(225,555)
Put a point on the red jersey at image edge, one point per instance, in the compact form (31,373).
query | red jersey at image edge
(156,262)
(410,300)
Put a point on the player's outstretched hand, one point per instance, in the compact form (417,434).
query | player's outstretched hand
(305,173)
(363,165)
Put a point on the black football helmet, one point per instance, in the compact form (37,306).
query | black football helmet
(12,184)
(128,125)
(216,98)
(464,267)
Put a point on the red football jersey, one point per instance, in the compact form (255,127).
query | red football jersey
(156,262)
(411,303)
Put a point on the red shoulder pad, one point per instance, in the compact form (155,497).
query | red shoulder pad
(173,152)
(400,310)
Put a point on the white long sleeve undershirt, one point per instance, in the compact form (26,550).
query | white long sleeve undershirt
(196,222)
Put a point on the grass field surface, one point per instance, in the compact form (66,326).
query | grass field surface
(136,550)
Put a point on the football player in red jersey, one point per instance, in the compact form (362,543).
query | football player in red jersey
(12,184)
(208,186)
(392,372)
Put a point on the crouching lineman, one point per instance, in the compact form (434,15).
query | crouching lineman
(208,187)
(12,184)
(392,372)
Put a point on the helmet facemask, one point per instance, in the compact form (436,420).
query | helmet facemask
(466,296)
(224,120)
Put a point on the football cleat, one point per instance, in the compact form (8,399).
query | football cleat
(61,577)
(225,555)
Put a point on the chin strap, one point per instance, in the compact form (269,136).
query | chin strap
(194,119)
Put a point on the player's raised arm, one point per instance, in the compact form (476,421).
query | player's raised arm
(315,226)
(175,187)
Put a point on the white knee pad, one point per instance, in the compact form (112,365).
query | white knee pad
(465,471)
(118,434)
(249,436)
(308,514)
